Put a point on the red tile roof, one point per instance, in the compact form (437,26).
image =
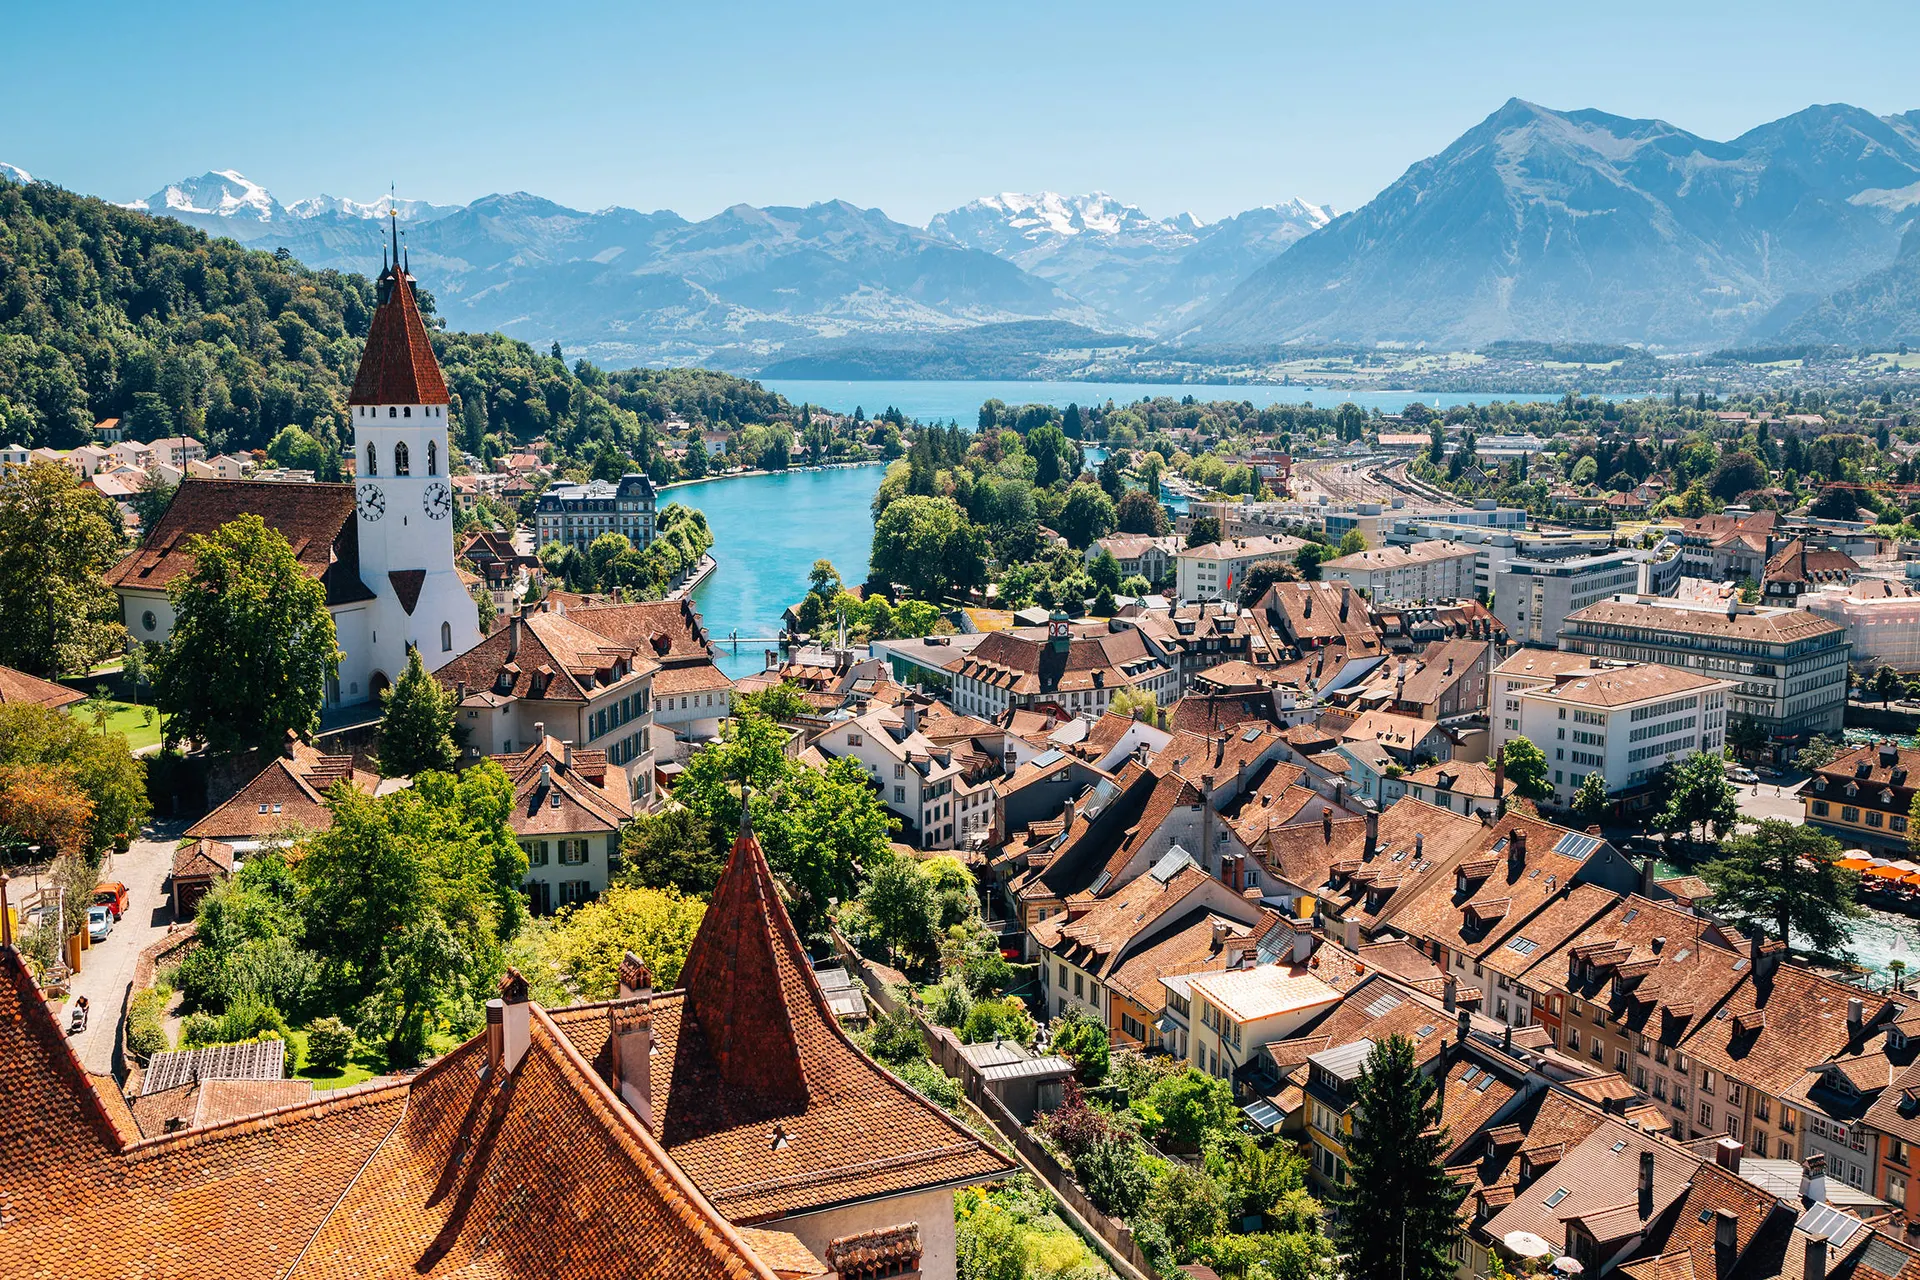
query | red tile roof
(317,520)
(19,687)
(397,366)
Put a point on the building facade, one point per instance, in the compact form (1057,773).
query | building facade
(573,515)
(1532,595)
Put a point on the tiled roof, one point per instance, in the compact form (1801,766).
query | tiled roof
(19,687)
(1774,626)
(592,796)
(1804,1020)
(1419,553)
(397,366)
(288,795)
(1622,686)
(1795,562)
(317,520)
(1461,777)
(1025,661)
(751,1047)
(543,655)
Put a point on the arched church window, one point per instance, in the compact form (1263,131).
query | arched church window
(400,466)
(446,637)
(433,458)
(373,461)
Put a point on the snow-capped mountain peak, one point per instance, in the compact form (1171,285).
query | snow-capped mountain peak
(218,193)
(14,173)
(320,205)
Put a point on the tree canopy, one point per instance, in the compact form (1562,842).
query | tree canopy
(58,535)
(416,726)
(1781,877)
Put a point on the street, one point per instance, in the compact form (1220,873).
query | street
(1754,808)
(106,970)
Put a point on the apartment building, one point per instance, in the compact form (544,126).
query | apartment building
(936,791)
(575,514)
(1625,722)
(1533,594)
(1864,797)
(1434,570)
(1217,570)
(1790,666)
(1075,668)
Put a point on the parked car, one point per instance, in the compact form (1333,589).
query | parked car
(112,895)
(99,923)
(1740,773)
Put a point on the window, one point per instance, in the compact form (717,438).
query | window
(1897,823)
(1079,986)
(1849,813)
(400,464)
(373,461)
(1873,817)
(536,853)
(1706,1082)
(899,771)
(148,621)
(1706,1115)
(899,795)
(1573,1038)
(575,891)
(433,458)
(573,852)
(1762,1108)
(1620,1060)
(1897,1189)
(1819,808)
(446,637)
(1063,968)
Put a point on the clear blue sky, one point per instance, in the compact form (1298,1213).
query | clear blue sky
(912,107)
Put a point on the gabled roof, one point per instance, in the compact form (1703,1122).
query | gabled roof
(397,366)
(590,796)
(288,795)
(19,687)
(317,520)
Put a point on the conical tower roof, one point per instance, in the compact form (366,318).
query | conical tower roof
(745,962)
(398,366)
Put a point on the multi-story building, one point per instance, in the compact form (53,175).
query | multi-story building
(1077,669)
(573,515)
(1790,666)
(1138,554)
(1882,618)
(1217,570)
(1865,797)
(1235,1015)
(1622,721)
(1533,594)
(1434,570)
(934,790)
(1727,547)
(568,809)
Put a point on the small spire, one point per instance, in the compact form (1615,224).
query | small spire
(746,813)
(393,220)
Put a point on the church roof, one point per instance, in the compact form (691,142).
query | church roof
(317,520)
(398,365)
(18,686)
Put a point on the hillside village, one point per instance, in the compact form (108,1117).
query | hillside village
(1069,887)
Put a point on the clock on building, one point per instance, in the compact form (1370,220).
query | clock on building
(373,503)
(437,501)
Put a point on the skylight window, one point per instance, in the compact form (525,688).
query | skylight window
(1559,1194)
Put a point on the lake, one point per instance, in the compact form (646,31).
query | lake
(768,530)
(960,401)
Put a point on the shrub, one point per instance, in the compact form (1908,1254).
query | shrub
(895,1038)
(1191,1206)
(246,1020)
(329,1044)
(1005,1017)
(1114,1176)
(991,1244)
(1152,1240)
(1190,1104)
(200,1028)
(1083,1042)
(949,1005)
(930,1082)
(146,1013)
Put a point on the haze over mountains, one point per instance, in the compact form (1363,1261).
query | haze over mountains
(1535,224)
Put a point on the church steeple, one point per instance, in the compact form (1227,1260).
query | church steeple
(398,366)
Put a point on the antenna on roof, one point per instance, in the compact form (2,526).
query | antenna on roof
(393,222)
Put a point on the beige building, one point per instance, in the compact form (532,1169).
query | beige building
(1432,570)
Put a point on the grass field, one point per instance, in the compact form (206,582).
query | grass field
(367,1061)
(125,717)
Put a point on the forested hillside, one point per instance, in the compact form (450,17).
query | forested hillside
(106,312)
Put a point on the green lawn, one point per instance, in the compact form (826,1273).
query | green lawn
(367,1061)
(125,717)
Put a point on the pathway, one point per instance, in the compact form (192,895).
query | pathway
(106,970)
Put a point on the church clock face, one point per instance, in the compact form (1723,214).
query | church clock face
(373,503)
(436,500)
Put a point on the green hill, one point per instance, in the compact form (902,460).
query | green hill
(107,312)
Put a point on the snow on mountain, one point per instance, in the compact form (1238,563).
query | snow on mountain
(1015,223)
(340,206)
(14,173)
(218,193)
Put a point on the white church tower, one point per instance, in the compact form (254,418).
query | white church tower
(404,495)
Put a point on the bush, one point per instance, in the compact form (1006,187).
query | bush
(329,1044)
(1191,1206)
(146,1013)
(200,1028)
(895,1038)
(246,1020)
(949,1005)
(1152,1240)
(1083,1042)
(930,1082)
(990,1243)
(998,1018)
(1189,1105)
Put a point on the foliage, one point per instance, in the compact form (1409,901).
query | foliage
(930,1082)
(658,925)
(930,545)
(1204,531)
(1086,515)
(58,535)
(1782,874)
(1191,1206)
(1114,1174)
(1747,736)
(899,897)
(39,806)
(1139,512)
(1262,575)
(250,933)
(146,1032)
(785,701)
(95,764)
(989,1242)
(1135,1073)
(1353,543)
(1002,1018)
(330,1043)
(252,645)
(1083,1042)
(1397,1188)
(1590,801)
(949,1003)
(1699,795)
(240,1022)
(416,723)
(1526,768)
(1819,751)
(1309,558)
(1189,1105)
(673,849)
(1138,703)
(1288,1255)
(895,1038)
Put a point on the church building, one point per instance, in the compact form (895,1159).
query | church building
(383,546)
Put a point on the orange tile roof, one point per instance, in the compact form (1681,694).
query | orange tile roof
(592,796)
(397,366)
(287,796)
(19,687)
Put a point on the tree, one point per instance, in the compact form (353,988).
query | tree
(1819,751)
(784,702)
(416,724)
(1782,875)
(1699,795)
(39,806)
(1526,768)
(1309,559)
(1747,736)
(1138,511)
(96,766)
(1263,574)
(1105,570)
(1590,801)
(1836,502)
(1190,1205)
(1399,1208)
(823,580)
(1887,683)
(294,449)
(56,540)
(1087,515)
(1204,531)
(253,643)
(1138,703)
(1736,473)
(657,925)
(672,849)
(900,900)
(929,544)
(1189,1104)
(989,1243)
(1083,1042)
(1353,543)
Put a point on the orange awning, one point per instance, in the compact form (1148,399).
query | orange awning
(1853,864)
(1888,873)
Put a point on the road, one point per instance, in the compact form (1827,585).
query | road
(106,970)
(1766,804)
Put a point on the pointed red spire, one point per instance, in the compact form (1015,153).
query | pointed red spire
(398,365)
(736,977)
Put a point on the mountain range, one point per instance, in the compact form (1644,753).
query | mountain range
(1536,225)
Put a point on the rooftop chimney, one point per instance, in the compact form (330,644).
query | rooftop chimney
(540,731)
(909,718)
(1646,1183)
(1326,824)
(1219,939)
(1499,777)
(1419,845)
(516,1020)
(1856,1014)
(1727,1153)
(1373,835)
(1452,993)
(1516,852)
(1726,1238)
(566,757)
(1813,1177)
(631,1038)
(1462,1025)
(496,1037)
(1815,1266)
(513,637)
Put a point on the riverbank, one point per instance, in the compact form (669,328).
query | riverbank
(748,475)
(691,583)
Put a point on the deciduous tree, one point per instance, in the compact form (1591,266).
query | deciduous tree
(56,540)
(1526,768)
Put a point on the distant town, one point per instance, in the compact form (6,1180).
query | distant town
(1197,835)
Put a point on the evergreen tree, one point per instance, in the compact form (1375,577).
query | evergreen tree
(416,729)
(1781,876)
(1399,1208)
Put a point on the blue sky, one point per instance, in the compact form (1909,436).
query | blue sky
(912,107)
